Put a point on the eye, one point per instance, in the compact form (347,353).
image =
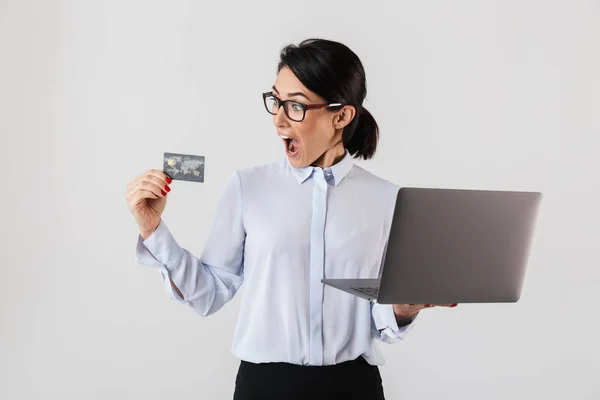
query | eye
(297,107)
(271,101)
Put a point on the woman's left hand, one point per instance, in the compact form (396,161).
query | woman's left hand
(406,312)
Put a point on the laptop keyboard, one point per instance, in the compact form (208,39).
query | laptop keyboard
(369,291)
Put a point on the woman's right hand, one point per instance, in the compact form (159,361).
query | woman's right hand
(147,198)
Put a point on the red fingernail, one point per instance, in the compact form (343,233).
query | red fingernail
(163,192)
(169,180)
(168,189)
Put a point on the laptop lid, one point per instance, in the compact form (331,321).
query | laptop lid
(458,246)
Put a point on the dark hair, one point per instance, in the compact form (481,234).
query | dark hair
(334,72)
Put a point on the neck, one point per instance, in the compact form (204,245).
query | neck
(331,157)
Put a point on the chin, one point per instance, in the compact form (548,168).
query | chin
(296,163)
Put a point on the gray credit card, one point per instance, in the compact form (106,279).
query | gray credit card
(184,167)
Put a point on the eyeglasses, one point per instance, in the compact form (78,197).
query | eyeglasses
(293,110)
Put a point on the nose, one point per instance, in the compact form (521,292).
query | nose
(280,119)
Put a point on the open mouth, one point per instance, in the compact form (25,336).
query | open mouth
(292,146)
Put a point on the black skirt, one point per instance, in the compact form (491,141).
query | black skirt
(351,380)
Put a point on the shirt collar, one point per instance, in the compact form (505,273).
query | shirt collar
(339,170)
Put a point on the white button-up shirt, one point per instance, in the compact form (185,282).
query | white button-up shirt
(278,231)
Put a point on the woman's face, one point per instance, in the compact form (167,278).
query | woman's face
(320,132)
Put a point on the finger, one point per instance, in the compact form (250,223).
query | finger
(163,184)
(161,175)
(139,196)
(132,192)
(154,172)
(157,189)
(146,194)
(150,187)
(138,179)
(153,183)
(153,175)
(446,305)
(419,306)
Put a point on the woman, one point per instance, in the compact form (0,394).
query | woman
(282,227)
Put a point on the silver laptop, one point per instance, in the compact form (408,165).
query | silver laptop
(453,246)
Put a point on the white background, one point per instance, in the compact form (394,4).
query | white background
(479,94)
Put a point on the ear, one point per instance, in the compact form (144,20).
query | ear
(343,117)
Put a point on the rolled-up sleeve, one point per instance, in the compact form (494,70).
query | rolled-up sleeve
(210,281)
(384,324)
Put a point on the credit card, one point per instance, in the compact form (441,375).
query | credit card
(184,167)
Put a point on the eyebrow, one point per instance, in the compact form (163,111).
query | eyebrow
(293,94)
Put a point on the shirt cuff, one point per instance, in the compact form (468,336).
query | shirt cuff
(385,322)
(162,247)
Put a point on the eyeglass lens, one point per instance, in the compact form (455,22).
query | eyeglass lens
(293,110)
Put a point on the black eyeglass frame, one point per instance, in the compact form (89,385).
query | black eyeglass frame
(305,107)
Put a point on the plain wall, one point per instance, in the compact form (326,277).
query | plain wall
(468,94)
